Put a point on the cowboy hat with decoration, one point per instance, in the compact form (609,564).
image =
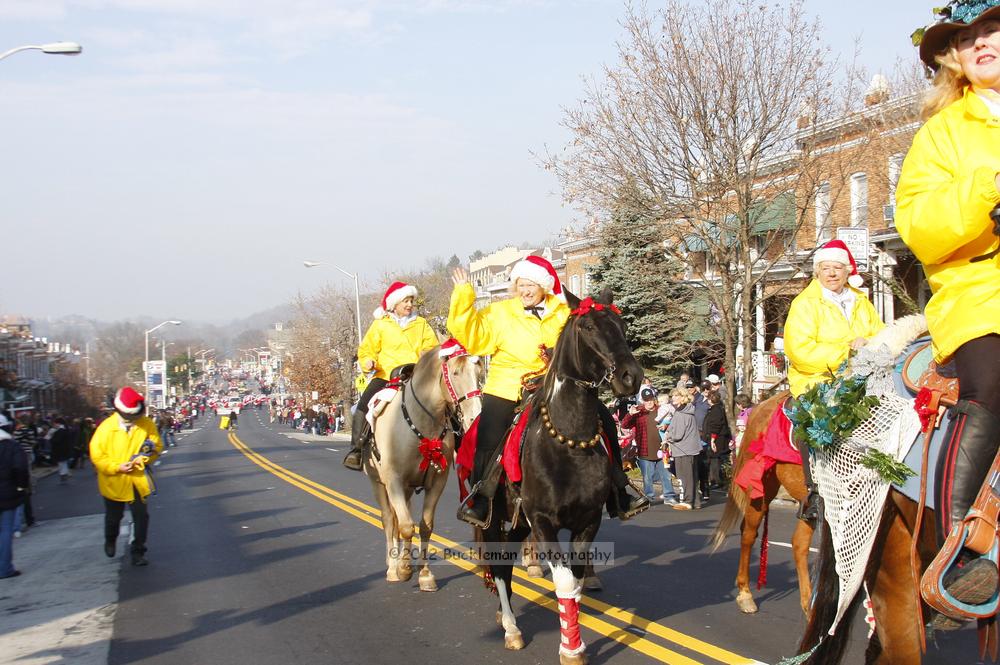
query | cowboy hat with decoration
(836,250)
(395,294)
(538,270)
(956,15)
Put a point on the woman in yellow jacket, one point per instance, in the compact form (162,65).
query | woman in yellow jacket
(949,184)
(396,337)
(122,447)
(515,333)
(828,319)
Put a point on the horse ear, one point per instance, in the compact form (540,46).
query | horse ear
(571,299)
(606,296)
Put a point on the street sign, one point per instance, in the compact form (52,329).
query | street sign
(857,242)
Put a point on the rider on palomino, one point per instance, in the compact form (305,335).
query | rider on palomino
(396,337)
(828,320)
(513,332)
(949,184)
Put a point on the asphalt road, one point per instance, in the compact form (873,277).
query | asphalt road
(264,549)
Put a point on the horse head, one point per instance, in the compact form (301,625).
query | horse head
(461,375)
(597,351)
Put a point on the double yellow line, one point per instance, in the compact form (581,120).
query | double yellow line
(545,597)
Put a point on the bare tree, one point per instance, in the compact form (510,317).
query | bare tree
(715,122)
(322,345)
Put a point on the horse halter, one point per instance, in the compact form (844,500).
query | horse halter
(452,349)
(585,306)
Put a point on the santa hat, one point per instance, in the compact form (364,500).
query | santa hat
(836,250)
(395,294)
(538,270)
(127,400)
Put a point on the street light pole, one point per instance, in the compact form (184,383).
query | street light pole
(357,290)
(55,48)
(145,365)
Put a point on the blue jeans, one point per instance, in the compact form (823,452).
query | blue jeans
(650,471)
(7,542)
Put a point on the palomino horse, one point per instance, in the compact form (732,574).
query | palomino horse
(414,446)
(750,512)
(565,469)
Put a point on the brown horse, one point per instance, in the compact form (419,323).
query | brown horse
(895,599)
(749,513)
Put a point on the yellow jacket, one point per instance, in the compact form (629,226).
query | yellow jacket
(818,337)
(945,194)
(505,332)
(391,346)
(111,446)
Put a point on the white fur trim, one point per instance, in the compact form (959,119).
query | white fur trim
(832,254)
(856,281)
(124,409)
(378,313)
(534,273)
(399,295)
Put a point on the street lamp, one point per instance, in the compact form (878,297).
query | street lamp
(357,292)
(55,48)
(145,365)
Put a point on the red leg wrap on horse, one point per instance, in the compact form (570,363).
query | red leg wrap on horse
(569,626)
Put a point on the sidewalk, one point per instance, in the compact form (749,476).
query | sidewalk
(62,607)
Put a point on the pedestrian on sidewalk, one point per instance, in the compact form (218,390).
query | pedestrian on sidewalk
(14,481)
(61,441)
(123,448)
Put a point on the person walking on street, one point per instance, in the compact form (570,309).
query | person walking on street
(14,481)
(122,450)
(61,440)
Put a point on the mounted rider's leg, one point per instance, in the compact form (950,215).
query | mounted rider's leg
(494,421)
(360,430)
(965,459)
(625,504)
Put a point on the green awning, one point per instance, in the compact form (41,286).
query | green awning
(778,214)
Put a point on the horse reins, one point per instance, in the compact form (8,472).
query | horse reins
(456,402)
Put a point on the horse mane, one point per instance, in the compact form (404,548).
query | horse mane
(565,354)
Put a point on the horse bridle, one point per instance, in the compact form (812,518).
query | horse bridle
(454,407)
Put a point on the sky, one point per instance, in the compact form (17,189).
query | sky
(197,151)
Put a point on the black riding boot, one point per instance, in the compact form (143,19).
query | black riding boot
(359,433)
(486,472)
(626,505)
(962,465)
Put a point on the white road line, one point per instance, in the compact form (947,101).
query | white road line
(789,545)
(333,450)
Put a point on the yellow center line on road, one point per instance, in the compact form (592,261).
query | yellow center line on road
(371,515)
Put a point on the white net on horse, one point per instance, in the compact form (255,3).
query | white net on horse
(853,495)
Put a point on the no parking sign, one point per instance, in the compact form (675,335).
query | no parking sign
(857,242)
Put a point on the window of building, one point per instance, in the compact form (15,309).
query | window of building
(824,231)
(586,283)
(574,284)
(895,168)
(859,199)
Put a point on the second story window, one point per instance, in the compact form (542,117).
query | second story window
(859,199)
(574,285)
(895,168)
(824,231)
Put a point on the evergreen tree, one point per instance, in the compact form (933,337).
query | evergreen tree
(655,303)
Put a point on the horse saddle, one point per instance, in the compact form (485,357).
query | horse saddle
(920,371)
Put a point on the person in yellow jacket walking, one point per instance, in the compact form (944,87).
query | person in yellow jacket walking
(949,184)
(121,450)
(515,333)
(397,337)
(828,319)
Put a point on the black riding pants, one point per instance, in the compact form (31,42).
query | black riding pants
(374,386)
(978,365)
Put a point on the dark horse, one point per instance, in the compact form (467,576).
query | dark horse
(565,478)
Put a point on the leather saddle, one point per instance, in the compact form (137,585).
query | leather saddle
(920,371)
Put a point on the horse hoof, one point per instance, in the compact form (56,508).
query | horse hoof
(535,570)
(391,576)
(593,583)
(427,583)
(745,602)
(578,659)
(513,641)
(405,573)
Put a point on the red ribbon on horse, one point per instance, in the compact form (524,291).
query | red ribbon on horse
(430,449)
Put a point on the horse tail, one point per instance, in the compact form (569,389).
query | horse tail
(823,648)
(736,502)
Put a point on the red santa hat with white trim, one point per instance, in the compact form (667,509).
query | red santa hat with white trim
(395,294)
(836,250)
(538,270)
(128,401)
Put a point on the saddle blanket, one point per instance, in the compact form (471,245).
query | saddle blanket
(379,401)
(772,446)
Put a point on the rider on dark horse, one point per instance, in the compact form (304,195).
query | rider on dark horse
(396,337)
(949,184)
(514,333)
